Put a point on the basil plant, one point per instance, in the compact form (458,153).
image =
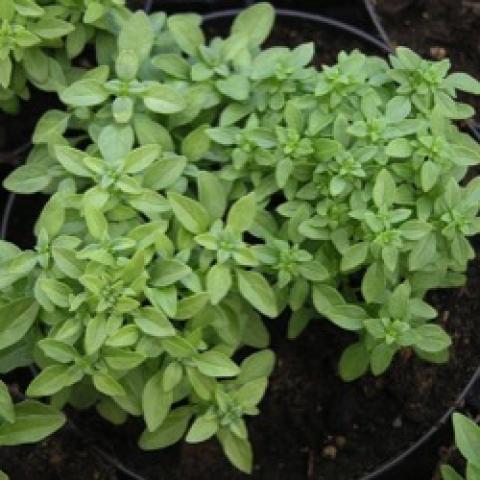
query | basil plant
(194,188)
(38,39)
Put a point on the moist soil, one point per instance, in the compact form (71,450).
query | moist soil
(312,425)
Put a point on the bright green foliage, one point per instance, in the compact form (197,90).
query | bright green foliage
(467,440)
(38,39)
(195,186)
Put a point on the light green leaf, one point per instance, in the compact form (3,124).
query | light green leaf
(156,402)
(467,438)
(154,323)
(191,214)
(216,364)
(164,99)
(7,412)
(33,422)
(256,290)
(171,431)
(237,450)
(242,213)
(219,282)
(16,318)
(255,23)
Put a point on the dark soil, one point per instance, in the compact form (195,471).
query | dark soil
(437,29)
(312,425)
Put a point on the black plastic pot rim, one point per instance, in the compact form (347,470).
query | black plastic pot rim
(384,45)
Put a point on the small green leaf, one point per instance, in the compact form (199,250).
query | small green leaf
(191,214)
(53,379)
(154,323)
(84,93)
(33,422)
(216,364)
(255,23)
(237,450)
(242,214)
(467,438)
(202,429)
(164,99)
(219,282)
(354,362)
(156,402)
(6,405)
(255,289)
(171,431)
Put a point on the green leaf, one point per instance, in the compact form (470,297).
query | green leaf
(373,283)
(107,385)
(139,159)
(154,323)
(354,256)
(168,272)
(467,438)
(242,213)
(384,189)
(6,405)
(186,32)
(95,334)
(156,402)
(256,290)
(235,86)
(28,178)
(314,271)
(172,64)
(172,376)
(257,365)
(171,431)
(255,23)
(164,99)
(165,172)
(216,364)
(115,143)
(191,214)
(219,282)
(348,317)
(84,93)
(432,338)
(190,306)
(59,351)
(33,422)
(423,253)
(251,393)
(179,347)
(237,450)
(51,126)
(16,318)
(202,429)
(354,362)
(397,109)
(464,82)
(53,379)
(7,9)
(12,269)
(429,175)
(325,297)
(51,28)
(381,358)
(129,38)
(211,194)
(399,148)
(448,473)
